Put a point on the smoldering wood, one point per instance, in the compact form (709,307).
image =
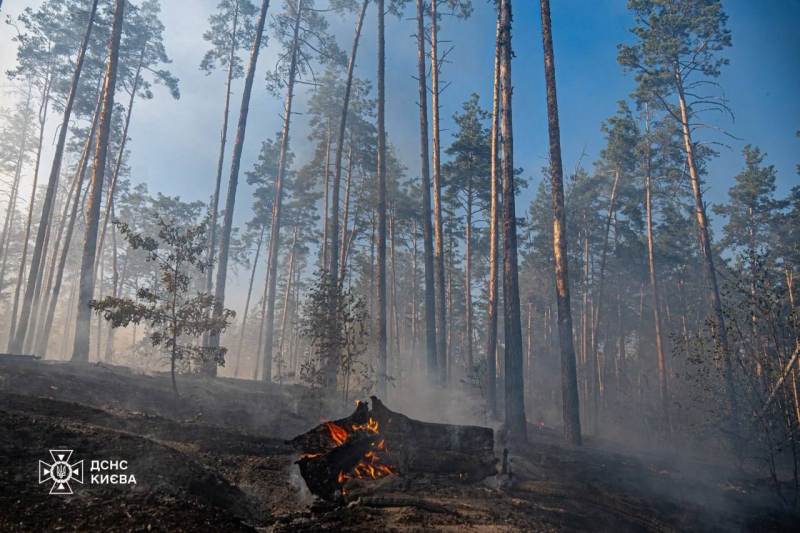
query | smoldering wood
(407,446)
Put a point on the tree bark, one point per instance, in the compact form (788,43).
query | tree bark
(662,376)
(598,384)
(337,164)
(345,213)
(44,338)
(569,380)
(236,159)
(326,217)
(29,221)
(81,344)
(427,227)
(514,371)
(44,224)
(468,277)
(8,225)
(494,239)
(288,293)
(223,139)
(112,187)
(721,334)
(441,302)
(247,301)
(382,355)
(275,229)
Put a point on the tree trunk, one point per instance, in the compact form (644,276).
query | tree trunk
(75,190)
(247,301)
(662,375)
(598,385)
(8,225)
(721,333)
(382,362)
(514,384)
(114,290)
(275,229)
(39,311)
(288,293)
(44,224)
(441,302)
(80,352)
(261,323)
(340,272)
(427,228)
(468,278)
(491,335)
(236,159)
(44,338)
(569,380)
(326,217)
(29,221)
(112,187)
(337,165)
(223,138)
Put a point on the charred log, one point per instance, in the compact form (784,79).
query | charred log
(370,444)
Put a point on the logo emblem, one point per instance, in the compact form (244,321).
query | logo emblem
(61,472)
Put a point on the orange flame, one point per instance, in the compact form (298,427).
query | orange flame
(370,467)
(338,433)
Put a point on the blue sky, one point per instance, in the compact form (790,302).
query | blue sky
(174,143)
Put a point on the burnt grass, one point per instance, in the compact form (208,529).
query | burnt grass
(215,460)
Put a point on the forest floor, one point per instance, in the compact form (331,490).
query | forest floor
(215,460)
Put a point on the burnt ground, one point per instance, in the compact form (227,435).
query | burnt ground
(215,460)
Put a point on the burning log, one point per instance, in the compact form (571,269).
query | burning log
(371,444)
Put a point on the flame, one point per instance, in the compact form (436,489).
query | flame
(338,433)
(370,466)
(541,425)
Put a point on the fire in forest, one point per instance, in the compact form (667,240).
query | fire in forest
(370,466)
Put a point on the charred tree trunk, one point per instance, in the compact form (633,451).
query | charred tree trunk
(333,451)
(80,352)
(569,380)
(427,226)
(514,372)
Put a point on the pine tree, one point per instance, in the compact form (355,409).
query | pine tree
(569,381)
(80,351)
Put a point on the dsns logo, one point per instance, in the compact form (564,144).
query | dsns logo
(61,472)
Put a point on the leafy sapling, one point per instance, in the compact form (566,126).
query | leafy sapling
(175,315)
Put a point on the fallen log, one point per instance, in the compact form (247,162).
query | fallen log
(373,443)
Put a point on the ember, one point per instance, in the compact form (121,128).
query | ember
(372,444)
(370,466)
